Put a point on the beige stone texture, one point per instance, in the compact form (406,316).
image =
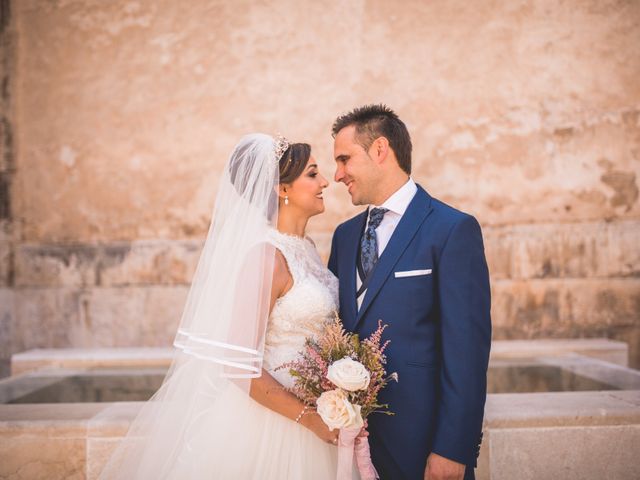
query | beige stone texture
(115,320)
(67,420)
(97,317)
(113,420)
(562,307)
(91,358)
(6,330)
(562,409)
(133,107)
(554,305)
(115,264)
(121,115)
(538,251)
(564,250)
(44,441)
(560,435)
(585,453)
(482,471)
(160,262)
(6,317)
(5,254)
(598,348)
(99,451)
(45,458)
(60,441)
(568,308)
(44,317)
(7,150)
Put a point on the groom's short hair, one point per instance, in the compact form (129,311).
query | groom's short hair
(373,121)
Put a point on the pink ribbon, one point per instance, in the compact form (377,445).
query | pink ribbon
(350,445)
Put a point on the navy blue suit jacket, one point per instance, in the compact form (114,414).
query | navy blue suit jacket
(439,328)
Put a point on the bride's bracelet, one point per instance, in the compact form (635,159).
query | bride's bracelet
(300,415)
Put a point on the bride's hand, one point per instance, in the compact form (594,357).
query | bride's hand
(314,423)
(364,433)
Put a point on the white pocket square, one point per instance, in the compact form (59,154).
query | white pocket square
(412,273)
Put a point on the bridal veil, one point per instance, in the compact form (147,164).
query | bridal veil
(220,342)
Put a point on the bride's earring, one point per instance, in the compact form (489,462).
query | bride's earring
(286,199)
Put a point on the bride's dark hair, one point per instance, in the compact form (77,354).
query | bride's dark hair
(293,161)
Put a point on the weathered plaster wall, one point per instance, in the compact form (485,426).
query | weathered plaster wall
(7,46)
(526,114)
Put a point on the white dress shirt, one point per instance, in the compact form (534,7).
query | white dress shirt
(396,204)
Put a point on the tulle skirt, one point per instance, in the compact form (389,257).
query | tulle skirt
(242,439)
(232,437)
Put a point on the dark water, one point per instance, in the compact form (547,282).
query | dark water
(112,387)
(124,385)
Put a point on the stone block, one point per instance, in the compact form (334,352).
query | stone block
(133,316)
(105,431)
(631,336)
(99,450)
(97,317)
(513,252)
(563,308)
(482,470)
(585,453)
(41,265)
(44,441)
(498,249)
(114,420)
(115,264)
(562,409)
(45,317)
(91,358)
(569,308)
(152,263)
(7,317)
(57,420)
(39,457)
(563,250)
(6,260)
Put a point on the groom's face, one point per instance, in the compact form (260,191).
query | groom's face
(354,167)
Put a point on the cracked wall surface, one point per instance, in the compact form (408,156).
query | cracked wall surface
(7,171)
(525,114)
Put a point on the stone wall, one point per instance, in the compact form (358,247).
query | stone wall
(526,114)
(6,175)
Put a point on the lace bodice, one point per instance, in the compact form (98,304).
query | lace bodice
(304,310)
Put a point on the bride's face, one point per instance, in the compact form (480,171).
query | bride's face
(305,192)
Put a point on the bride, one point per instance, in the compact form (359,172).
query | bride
(259,290)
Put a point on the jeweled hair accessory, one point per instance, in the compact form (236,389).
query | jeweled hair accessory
(281,146)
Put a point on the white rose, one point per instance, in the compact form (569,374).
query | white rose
(337,412)
(348,374)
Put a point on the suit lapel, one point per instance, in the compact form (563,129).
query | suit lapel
(349,278)
(413,217)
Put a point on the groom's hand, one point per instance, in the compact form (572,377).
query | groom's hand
(440,468)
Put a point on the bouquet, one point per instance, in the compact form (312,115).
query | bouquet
(341,376)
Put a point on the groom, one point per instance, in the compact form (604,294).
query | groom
(419,266)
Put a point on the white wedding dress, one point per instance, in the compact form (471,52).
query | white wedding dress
(240,438)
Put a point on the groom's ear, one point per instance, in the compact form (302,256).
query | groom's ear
(379,149)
